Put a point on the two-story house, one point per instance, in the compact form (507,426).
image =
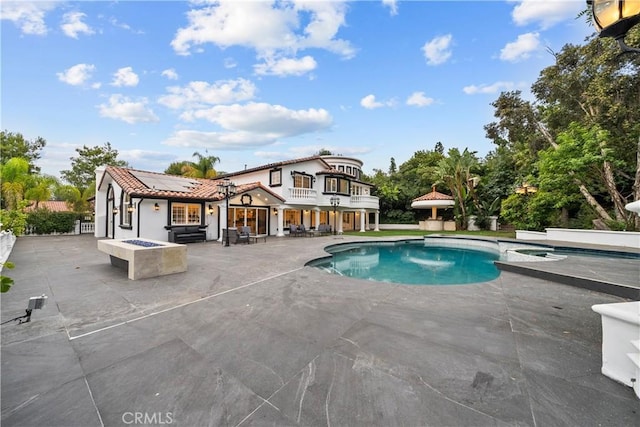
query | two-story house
(311,191)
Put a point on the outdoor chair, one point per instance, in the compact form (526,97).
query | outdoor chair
(234,236)
(324,229)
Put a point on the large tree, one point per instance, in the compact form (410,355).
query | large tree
(590,98)
(592,85)
(83,167)
(15,145)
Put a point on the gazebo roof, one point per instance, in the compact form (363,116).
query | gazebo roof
(433,199)
(434,195)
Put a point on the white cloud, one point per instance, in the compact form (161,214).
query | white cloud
(125,77)
(369,102)
(418,99)
(286,66)
(170,73)
(438,50)
(122,108)
(27,15)
(135,155)
(521,48)
(218,140)
(73,25)
(201,94)
(546,12)
(392,5)
(488,89)
(77,75)
(124,26)
(267,27)
(269,121)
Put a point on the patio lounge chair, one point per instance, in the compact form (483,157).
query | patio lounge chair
(234,236)
(324,229)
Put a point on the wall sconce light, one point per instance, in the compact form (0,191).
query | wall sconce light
(275,211)
(210,209)
(614,18)
(156,207)
(115,211)
(130,208)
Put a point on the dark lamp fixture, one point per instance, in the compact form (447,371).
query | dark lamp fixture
(130,208)
(156,207)
(614,18)
(115,211)
(227,189)
(210,209)
(335,202)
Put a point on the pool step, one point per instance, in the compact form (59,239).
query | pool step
(530,269)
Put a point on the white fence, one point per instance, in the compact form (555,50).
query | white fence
(80,228)
(7,239)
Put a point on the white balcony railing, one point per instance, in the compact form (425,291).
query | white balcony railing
(361,201)
(312,197)
(307,195)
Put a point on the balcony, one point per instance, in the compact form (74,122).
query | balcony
(302,195)
(308,196)
(364,202)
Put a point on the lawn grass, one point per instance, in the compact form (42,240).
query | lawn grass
(391,233)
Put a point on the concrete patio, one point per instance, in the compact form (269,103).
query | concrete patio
(249,336)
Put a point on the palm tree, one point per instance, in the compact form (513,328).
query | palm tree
(455,171)
(203,168)
(15,177)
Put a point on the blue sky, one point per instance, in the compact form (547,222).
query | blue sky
(255,82)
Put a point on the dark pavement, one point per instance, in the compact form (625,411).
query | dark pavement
(250,336)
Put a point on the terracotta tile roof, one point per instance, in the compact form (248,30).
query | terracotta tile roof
(434,195)
(198,188)
(51,205)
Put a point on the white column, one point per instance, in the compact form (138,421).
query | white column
(222,220)
(362,215)
(377,221)
(280,232)
(340,222)
(317,221)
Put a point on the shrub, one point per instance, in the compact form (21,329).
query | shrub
(44,221)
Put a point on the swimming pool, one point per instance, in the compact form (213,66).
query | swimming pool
(411,262)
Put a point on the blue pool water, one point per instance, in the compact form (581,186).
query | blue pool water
(411,263)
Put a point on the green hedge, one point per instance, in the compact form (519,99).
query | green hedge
(44,221)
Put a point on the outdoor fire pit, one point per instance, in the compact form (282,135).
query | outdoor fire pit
(144,258)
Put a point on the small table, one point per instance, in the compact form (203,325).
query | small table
(254,237)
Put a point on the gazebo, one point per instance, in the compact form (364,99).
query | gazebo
(435,201)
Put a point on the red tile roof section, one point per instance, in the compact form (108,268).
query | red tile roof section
(205,189)
(434,195)
(51,205)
